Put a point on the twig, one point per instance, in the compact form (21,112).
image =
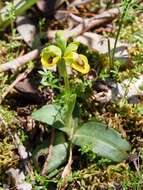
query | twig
(20,77)
(76,18)
(16,63)
(78,3)
(109,14)
(45,167)
(95,21)
(88,24)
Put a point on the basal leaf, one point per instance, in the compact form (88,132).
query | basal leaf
(47,114)
(51,114)
(59,153)
(104,141)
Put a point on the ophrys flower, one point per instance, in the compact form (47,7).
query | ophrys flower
(50,56)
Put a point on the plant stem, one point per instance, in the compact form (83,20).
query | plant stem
(66,81)
(63,73)
(120,27)
(109,52)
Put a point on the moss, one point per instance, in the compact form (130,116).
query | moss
(7,154)
(7,115)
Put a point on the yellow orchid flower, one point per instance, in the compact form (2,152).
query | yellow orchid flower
(50,56)
(80,63)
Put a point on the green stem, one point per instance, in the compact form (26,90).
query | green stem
(120,27)
(66,81)
(63,73)
(109,52)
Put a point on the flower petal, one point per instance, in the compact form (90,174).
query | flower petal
(80,63)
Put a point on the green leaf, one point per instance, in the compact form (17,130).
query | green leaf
(59,153)
(51,114)
(72,47)
(47,114)
(69,108)
(105,141)
(61,41)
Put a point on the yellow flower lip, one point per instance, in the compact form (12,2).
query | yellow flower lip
(80,63)
(49,62)
(50,56)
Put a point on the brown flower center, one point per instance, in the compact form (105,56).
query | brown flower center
(50,60)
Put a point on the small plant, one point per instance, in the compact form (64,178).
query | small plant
(11,10)
(86,150)
(11,15)
(126,5)
(48,79)
(62,113)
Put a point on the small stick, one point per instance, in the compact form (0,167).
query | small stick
(95,21)
(88,24)
(45,167)
(78,3)
(20,77)
(16,63)
(76,18)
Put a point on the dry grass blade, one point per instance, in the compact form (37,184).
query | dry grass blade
(45,167)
